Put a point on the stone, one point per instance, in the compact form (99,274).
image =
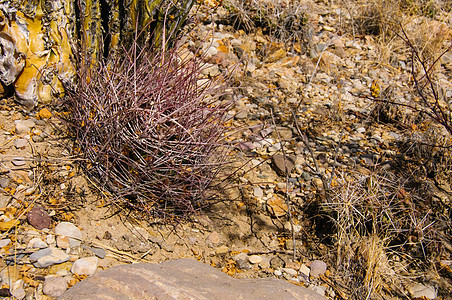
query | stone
(4,242)
(283,166)
(304,270)
(71,231)
(290,271)
(181,279)
(54,286)
(99,252)
(38,218)
(420,291)
(37,243)
(318,268)
(62,242)
(48,256)
(214,237)
(4,182)
(85,266)
(277,262)
(241,261)
(24,126)
(277,206)
(18,289)
(258,192)
(254,259)
(45,113)
(20,143)
(222,250)
(18,161)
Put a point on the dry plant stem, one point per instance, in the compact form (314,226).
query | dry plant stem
(325,181)
(434,110)
(287,196)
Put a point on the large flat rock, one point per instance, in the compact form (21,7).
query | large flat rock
(181,279)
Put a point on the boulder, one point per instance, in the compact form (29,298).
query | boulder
(181,279)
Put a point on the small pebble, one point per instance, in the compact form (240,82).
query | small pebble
(304,270)
(277,272)
(4,182)
(420,291)
(258,192)
(85,266)
(221,250)
(54,286)
(4,242)
(24,126)
(37,243)
(71,231)
(47,257)
(38,218)
(214,238)
(290,271)
(45,113)
(18,161)
(254,259)
(318,268)
(20,143)
(18,289)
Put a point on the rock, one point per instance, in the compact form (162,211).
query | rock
(18,289)
(4,242)
(18,161)
(221,250)
(85,266)
(254,259)
(45,114)
(37,243)
(277,262)
(47,257)
(283,166)
(37,138)
(241,261)
(304,270)
(54,286)
(99,252)
(38,218)
(62,242)
(318,268)
(181,279)
(277,206)
(258,192)
(20,143)
(290,271)
(276,55)
(277,273)
(71,231)
(24,126)
(420,291)
(4,182)
(214,238)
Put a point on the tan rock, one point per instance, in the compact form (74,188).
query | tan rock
(277,206)
(181,279)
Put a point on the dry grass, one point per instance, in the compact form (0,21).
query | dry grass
(378,216)
(284,20)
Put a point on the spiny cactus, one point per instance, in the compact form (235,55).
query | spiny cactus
(150,126)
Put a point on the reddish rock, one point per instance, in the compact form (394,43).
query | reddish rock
(181,279)
(38,218)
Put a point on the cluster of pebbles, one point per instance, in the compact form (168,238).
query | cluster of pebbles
(51,259)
